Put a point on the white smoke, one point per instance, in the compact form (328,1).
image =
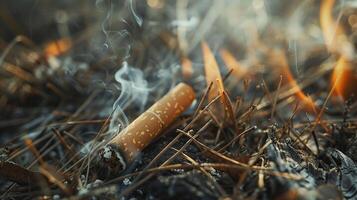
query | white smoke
(134,90)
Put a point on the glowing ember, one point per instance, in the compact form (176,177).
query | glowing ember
(57,47)
(232,64)
(345,78)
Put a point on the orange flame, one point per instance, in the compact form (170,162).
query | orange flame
(213,76)
(212,72)
(334,36)
(288,79)
(232,64)
(186,67)
(57,47)
(345,78)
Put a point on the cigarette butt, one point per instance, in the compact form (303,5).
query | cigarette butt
(123,148)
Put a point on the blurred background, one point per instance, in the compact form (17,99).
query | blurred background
(83,67)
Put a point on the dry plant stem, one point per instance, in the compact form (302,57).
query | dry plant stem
(34,151)
(235,163)
(261,176)
(319,116)
(267,91)
(204,171)
(27,147)
(236,138)
(79,122)
(74,116)
(123,148)
(307,148)
(227,75)
(188,126)
(216,153)
(203,99)
(218,166)
(276,97)
(74,138)
(287,92)
(187,143)
(16,173)
(139,180)
(63,142)
(49,149)
(18,39)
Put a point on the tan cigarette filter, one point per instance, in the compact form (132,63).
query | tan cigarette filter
(148,126)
